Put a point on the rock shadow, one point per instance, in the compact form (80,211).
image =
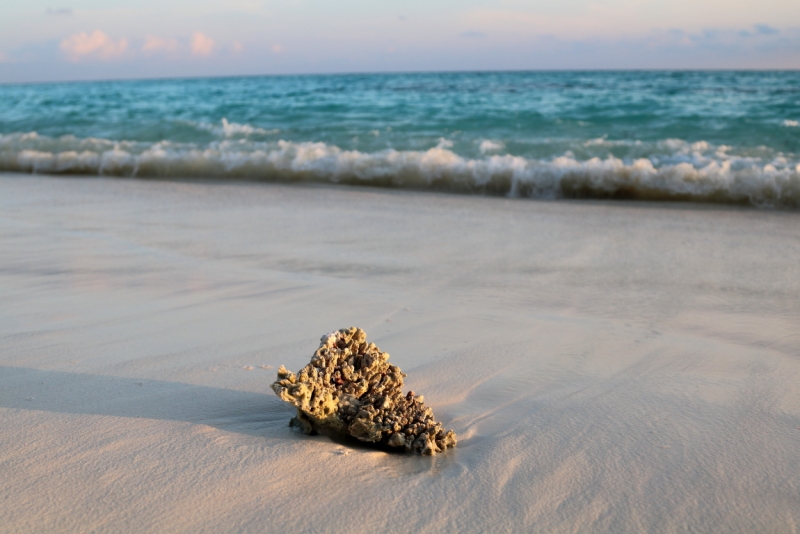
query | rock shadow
(244,412)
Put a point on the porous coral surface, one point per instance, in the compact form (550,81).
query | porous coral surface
(350,389)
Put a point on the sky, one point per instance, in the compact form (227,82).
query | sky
(55,40)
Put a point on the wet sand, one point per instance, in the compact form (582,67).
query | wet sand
(608,366)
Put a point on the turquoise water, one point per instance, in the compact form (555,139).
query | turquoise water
(704,136)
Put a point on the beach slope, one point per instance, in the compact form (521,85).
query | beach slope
(608,367)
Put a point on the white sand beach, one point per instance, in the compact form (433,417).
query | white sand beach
(607,366)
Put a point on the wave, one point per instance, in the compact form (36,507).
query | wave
(231,129)
(691,172)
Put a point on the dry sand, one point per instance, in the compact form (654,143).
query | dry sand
(609,367)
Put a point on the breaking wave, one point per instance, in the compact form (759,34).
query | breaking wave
(231,129)
(681,171)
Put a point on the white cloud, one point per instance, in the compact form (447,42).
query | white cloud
(60,12)
(95,45)
(153,43)
(202,45)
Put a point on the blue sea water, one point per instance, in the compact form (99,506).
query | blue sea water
(730,137)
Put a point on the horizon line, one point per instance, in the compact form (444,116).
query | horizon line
(398,72)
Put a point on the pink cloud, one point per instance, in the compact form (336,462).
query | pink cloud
(159,44)
(202,45)
(95,45)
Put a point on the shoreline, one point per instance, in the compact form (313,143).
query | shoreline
(678,204)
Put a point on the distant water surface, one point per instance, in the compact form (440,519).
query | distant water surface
(730,137)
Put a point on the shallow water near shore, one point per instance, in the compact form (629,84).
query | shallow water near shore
(717,136)
(608,366)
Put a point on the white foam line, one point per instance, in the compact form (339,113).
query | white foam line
(695,171)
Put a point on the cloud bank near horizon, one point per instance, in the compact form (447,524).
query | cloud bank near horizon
(40,42)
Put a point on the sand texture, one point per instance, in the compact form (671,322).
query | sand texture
(608,367)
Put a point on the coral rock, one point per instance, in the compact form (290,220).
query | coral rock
(350,390)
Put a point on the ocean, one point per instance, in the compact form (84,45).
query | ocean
(715,136)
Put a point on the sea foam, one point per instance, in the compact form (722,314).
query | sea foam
(680,171)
